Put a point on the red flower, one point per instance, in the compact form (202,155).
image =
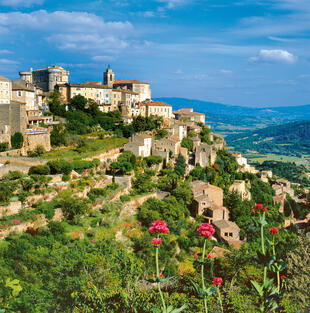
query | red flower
(282,277)
(206,230)
(161,275)
(159,227)
(253,210)
(195,256)
(156,241)
(217,281)
(209,256)
(274,230)
(94,240)
(265,209)
(258,206)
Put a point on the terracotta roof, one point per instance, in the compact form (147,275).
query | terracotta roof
(143,135)
(155,104)
(223,224)
(128,81)
(199,184)
(84,85)
(218,252)
(3,79)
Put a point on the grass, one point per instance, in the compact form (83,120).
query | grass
(260,158)
(93,148)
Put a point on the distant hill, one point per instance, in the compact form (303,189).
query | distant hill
(286,139)
(232,118)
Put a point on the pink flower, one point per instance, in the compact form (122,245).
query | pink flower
(156,241)
(217,281)
(206,230)
(159,227)
(274,230)
(195,256)
(253,210)
(258,206)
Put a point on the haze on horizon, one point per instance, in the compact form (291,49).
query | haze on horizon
(238,52)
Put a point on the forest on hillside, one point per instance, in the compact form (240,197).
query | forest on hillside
(286,139)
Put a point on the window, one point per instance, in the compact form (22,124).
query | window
(226,234)
(19,93)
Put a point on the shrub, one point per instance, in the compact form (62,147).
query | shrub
(153,159)
(65,177)
(125,198)
(80,165)
(4,146)
(17,140)
(60,167)
(39,170)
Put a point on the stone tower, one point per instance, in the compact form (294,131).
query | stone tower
(109,77)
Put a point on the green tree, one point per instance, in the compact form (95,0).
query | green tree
(180,165)
(59,135)
(187,143)
(55,104)
(77,103)
(17,140)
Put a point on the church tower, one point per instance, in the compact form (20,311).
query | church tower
(109,77)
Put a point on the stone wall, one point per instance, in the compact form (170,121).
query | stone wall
(14,153)
(11,209)
(34,139)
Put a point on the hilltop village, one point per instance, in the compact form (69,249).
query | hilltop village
(96,161)
(182,136)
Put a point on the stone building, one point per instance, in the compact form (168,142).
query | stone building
(162,109)
(282,186)
(141,88)
(5,90)
(170,145)
(139,145)
(46,78)
(14,115)
(228,231)
(205,155)
(241,188)
(37,137)
(28,93)
(190,115)
(5,134)
(205,196)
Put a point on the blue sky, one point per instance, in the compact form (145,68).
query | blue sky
(240,52)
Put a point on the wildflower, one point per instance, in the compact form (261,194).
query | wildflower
(282,277)
(217,281)
(253,210)
(195,256)
(161,275)
(274,230)
(156,241)
(159,227)
(265,209)
(209,256)
(94,240)
(206,230)
(258,206)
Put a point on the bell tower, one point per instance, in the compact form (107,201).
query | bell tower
(108,77)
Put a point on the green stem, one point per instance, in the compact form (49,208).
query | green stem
(220,297)
(274,253)
(158,284)
(202,276)
(263,245)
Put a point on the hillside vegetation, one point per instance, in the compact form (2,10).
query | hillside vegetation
(286,139)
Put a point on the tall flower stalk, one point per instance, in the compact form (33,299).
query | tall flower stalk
(274,231)
(160,227)
(205,230)
(217,281)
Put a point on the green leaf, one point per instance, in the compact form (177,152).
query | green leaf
(179,309)
(258,288)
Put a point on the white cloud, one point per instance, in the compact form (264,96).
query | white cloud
(8,62)
(103,58)
(226,71)
(273,38)
(75,31)
(4,51)
(149,14)
(20,3)
(280,56)
(171,4)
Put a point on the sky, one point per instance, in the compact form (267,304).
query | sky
(240,52)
